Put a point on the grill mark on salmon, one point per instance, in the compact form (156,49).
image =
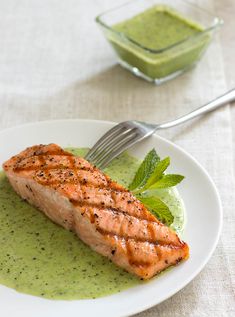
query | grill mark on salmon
(45,173)
(126,226)
(112,199)
(81,203)
(44,161)
(106,216)
(143,261)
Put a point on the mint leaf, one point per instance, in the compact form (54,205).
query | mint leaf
(151,175)
(166,181)
(158,172)
(145,170)
(158,209)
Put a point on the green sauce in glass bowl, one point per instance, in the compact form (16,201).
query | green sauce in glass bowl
(157,43)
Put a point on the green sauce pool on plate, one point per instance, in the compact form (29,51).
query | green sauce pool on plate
(40,258)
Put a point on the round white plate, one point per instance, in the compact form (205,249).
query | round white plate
(204,221)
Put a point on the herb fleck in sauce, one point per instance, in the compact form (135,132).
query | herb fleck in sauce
(40,258)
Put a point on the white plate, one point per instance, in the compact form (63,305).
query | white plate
(203,227)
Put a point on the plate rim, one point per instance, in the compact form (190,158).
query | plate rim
(130,312)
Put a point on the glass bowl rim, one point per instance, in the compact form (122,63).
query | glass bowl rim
(217,22)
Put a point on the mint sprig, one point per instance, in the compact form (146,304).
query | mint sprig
(145,170)
(150,176)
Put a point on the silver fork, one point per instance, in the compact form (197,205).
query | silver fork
(127,133)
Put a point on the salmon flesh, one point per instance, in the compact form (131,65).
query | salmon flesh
(106,216)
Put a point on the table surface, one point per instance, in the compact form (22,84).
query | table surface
(55,63)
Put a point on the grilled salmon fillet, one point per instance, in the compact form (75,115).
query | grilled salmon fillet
(105,215)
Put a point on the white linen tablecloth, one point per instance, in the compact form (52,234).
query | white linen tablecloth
(55,63)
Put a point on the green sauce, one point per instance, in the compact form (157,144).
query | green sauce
(146,40)
(40,258)
(157,28)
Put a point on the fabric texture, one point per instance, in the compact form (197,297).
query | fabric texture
(55,63)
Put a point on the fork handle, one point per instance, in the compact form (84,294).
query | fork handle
(212,105)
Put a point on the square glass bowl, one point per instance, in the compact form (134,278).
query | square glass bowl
(159,65)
